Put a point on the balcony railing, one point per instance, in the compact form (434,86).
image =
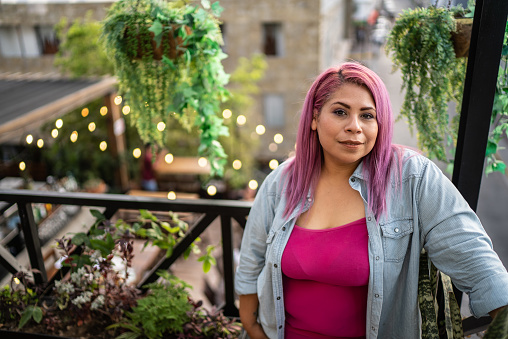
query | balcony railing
(227,210)
(209,210)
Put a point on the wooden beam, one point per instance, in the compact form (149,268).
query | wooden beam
(16,129)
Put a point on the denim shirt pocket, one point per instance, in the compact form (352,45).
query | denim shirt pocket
(396,236)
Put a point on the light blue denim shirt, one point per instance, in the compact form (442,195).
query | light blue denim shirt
(426,211)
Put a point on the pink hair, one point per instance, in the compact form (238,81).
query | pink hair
(304,170)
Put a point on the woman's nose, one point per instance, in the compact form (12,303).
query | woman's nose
(353,125)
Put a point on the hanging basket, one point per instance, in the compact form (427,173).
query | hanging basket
(170,46)
(462,37)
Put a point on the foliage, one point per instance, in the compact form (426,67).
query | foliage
(499,119)
(428,277)
(432,76)
(187,83)
(80,53)
(82,158)
(164,310)
(97,292)
(498,329)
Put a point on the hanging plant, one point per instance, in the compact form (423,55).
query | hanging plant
(167,57)
(432,74)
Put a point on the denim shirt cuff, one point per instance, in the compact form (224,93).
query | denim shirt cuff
(490,296)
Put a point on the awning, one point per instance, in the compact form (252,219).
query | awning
(27,102)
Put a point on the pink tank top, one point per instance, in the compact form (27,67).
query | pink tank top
(325,278)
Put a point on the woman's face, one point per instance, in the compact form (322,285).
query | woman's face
(347,125)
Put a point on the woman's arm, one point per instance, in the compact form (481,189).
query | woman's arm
(493,313)
(249,314)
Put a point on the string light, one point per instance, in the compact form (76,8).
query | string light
(59,123)
(136,153)
(40,143)
(241,120)
(237,164)
(74,136)
(103,110)
(278,138)
(211,190)
(226,114)
(54,133)
(202,162)
(273,147)
(29,139)
(161,126)
(22,165)
(260,129)
(171,195)
(169,158)
(16,280)
(91,126)
(103,145)
(118,100)
(273,164)
(126,109)
(84,112)
(253,184)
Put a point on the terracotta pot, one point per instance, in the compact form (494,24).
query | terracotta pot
(462,37)
(175,44)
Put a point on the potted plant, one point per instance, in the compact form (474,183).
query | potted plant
(422,47)
(95,299)
(167,57)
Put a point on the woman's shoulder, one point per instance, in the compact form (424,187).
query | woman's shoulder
(276,179)
(410,161)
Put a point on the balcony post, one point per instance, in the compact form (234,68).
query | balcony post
(32,241)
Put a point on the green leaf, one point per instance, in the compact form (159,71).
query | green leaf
(217,9)
(491,148)
(156,29)
(97,215)
(81,238)
(30,312)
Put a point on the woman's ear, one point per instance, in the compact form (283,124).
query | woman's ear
(313,125)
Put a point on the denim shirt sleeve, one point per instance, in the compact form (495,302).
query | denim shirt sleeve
(253,247)
(457,244)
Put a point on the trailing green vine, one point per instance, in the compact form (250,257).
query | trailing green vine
(499,119)
(167,57)
(432,75)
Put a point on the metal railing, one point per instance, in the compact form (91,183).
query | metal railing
(209,210)
(227,210)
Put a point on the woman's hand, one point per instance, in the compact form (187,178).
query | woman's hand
(248,315)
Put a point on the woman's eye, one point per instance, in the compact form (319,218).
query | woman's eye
(369,116)
(339,112)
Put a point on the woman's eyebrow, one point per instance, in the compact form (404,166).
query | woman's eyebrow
(368,108)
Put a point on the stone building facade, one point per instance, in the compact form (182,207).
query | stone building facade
(299,37)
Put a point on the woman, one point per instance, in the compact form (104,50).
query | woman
(332,244)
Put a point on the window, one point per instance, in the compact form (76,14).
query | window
(9,42)
(273,107)
(47,40)
(273,44)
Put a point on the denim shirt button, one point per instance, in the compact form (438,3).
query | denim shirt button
(309,199)
(377,258)
(353,179)
(373,328)
(284,228)
(280,327)
(278,298)
(275,265)
(396,230)
(376,295)
(369,218)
